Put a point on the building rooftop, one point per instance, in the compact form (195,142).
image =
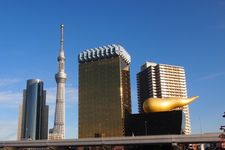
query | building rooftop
(102,52)
(148,64)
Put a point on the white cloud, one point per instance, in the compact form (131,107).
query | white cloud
(213,76)
(51,111)
(10,98)
(71,95)
(51,95)
(8,82)
(8,130)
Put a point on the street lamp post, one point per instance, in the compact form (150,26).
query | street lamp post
(222,135)
(223,127)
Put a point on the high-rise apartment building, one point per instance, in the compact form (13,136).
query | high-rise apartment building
(160,81)
(58,131)
(104,91)
(33,117)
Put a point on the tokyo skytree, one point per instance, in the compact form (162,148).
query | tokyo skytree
(58,131)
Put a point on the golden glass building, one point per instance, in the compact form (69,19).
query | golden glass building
(162,81)
(104,91)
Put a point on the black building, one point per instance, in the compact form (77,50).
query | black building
(160,123)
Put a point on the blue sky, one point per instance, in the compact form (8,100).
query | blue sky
(177,32)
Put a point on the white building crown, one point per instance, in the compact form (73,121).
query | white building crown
(102,52)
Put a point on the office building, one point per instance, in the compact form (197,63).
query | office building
(160,81)
(104,91)
(58,131)
(33,117)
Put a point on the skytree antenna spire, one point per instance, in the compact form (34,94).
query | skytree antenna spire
(58,131)
(62,38)
(61,51)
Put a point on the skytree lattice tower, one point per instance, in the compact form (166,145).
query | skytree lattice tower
(58,131)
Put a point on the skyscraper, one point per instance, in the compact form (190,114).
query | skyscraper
(33,117)
(160,81)
(58,131)
(104,91)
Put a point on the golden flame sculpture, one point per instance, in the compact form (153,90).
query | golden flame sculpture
(166,104)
